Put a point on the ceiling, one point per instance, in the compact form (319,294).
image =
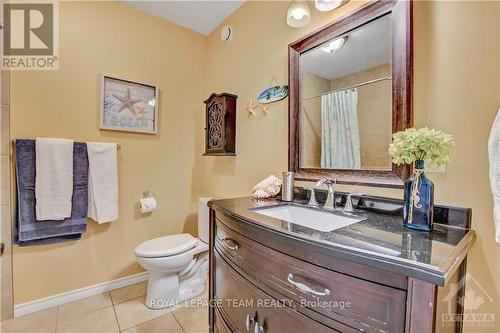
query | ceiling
(366,47)
(200,16)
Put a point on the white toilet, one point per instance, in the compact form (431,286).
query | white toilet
(178,264)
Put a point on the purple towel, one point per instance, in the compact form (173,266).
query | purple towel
(28,231)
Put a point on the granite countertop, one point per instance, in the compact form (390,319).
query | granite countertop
(379,240)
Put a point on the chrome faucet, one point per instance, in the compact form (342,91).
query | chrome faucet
(330,199)
(312,198)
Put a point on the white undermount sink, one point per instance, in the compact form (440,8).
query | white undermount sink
(311,218)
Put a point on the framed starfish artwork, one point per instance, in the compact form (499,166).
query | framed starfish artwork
(128,106)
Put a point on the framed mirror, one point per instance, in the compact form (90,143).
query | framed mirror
(350,90)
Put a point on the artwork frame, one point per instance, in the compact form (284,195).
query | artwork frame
(128,106)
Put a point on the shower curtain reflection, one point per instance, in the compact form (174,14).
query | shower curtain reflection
(340,147)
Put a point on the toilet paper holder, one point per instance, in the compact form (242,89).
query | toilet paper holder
(147,203)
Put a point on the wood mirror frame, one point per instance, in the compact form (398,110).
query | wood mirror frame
(402,80)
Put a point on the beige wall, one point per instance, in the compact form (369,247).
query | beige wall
(5,214)
(6,299)
(312,86)
(456,90)
(100,37)
(245,67)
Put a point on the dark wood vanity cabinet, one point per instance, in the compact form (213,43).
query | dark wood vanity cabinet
(220,127)
(281,293)
(260,281)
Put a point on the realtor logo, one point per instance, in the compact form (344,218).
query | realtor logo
(473,297)
(30,35)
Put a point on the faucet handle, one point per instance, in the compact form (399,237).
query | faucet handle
(312,198)
(326,181)
(348,203)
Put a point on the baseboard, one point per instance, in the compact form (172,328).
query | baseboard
(74,295)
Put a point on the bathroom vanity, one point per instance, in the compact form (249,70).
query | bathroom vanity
(289,267)
(369,275)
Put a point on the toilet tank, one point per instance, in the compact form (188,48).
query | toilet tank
(203,216)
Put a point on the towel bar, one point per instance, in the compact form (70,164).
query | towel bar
(117,145)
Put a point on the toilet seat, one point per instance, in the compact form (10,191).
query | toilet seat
(166,246)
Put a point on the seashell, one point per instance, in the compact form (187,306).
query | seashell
(272,190)
(267,188)
(271,181)
(261,194)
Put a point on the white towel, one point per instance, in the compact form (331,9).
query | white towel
(494,154)
(103,182)
(54,178)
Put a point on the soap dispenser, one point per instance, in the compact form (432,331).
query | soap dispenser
(287,187)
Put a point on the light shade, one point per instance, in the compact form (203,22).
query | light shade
(326,5)
(334,45)
(298,14)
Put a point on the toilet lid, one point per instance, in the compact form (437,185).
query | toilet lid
(166,246)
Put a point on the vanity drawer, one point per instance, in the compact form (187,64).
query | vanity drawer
(239,299)
(355,302)
(220,323)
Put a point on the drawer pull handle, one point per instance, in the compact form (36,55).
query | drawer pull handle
(258,328)
(307,289)
(229,240)
(249,322)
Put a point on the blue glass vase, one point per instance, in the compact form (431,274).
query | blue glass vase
(418,200)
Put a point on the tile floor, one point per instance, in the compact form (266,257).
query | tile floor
(121,310)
